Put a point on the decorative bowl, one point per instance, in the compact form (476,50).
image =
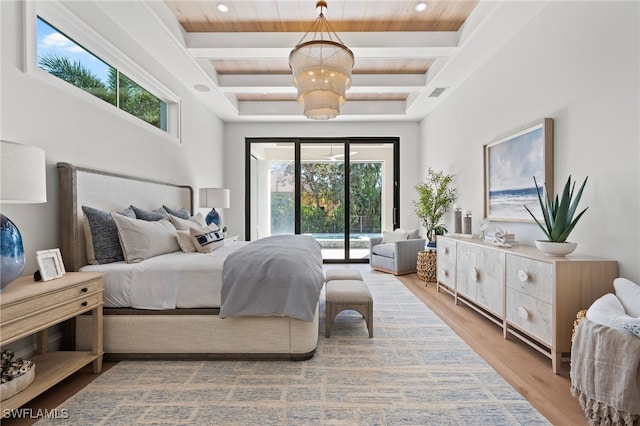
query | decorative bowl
(551,248)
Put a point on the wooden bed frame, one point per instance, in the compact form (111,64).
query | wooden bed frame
(171,334)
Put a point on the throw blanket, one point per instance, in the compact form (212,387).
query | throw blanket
(605,374)
(277,275)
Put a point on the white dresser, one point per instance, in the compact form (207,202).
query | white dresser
(530,295)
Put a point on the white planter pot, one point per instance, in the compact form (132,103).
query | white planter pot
(555,249)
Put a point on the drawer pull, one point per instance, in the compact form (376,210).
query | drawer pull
(446,250)
(523,313)
(84,289)
(445,272)
(475,275)
(84,303)
(523,276)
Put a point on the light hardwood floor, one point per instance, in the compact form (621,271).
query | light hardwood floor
(525,369)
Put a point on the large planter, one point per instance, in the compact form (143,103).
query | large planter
(551,248)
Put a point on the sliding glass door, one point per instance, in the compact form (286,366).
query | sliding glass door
(339,191)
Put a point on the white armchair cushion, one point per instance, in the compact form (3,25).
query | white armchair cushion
(608,311)
(629,294)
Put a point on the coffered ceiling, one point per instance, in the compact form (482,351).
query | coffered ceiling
(245,50)
(406,61)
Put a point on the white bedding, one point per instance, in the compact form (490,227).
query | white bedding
(169,281)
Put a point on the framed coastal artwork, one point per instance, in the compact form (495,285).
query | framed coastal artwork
(510,164)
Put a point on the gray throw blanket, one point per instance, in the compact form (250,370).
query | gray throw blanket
(277,275)
(605,374)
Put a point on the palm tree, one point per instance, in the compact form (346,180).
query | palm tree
(75,73)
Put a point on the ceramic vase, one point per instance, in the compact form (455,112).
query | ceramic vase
(11,251)
(552,248)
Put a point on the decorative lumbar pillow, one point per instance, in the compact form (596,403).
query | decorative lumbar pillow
(184,241)
(157,214)
(101,235)
(141,239)
(392,237)
(629,294)
(183,213)
(184,224)
(207,239)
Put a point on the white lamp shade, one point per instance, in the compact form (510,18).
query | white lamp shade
(22,174)
(215,197)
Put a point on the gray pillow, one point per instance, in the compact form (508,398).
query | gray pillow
(101,235)
(183,213)
(157,214)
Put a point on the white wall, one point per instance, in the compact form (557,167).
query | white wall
(577,62)
(73,126)
(236,133)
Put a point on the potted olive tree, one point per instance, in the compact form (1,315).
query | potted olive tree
(434,196)
(559,221)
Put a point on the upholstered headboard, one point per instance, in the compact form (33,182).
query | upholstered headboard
(107,191)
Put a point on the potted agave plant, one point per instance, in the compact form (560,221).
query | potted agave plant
(559,219)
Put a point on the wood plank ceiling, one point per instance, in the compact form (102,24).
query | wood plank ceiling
(244,50)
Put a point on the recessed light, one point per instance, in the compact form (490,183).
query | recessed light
(222,7)
(421,7)
(201,88)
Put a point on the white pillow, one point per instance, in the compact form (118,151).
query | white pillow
(607,310)
(629,294)
(392,237)
(184,241)
(199,219)
(185,224)
(207,239)
(142,239)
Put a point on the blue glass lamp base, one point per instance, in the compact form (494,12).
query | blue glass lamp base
(213,217)
(11,252)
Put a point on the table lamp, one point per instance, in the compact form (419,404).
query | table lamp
(22,181)
(214,197)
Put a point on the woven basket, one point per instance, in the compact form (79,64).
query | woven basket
(427,266)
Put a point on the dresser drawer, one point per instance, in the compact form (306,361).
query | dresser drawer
(530,314)
(530,276)
(47,317)
(447,250)
(446,273)
(35,304)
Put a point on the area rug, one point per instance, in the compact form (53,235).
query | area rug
(414,371)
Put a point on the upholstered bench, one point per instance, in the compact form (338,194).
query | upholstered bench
(345,290)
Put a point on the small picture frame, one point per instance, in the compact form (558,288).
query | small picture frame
(50,264)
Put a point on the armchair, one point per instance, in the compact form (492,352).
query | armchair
(395,252)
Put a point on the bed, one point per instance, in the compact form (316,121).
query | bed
(192,327)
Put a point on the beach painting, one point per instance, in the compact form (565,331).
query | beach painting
(510,166)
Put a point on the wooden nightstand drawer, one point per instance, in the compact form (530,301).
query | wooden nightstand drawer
(531,277)
(42,319)
(23,309)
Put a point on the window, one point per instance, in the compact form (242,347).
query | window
(62,57)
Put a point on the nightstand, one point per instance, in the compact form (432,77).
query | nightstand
(28,307)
